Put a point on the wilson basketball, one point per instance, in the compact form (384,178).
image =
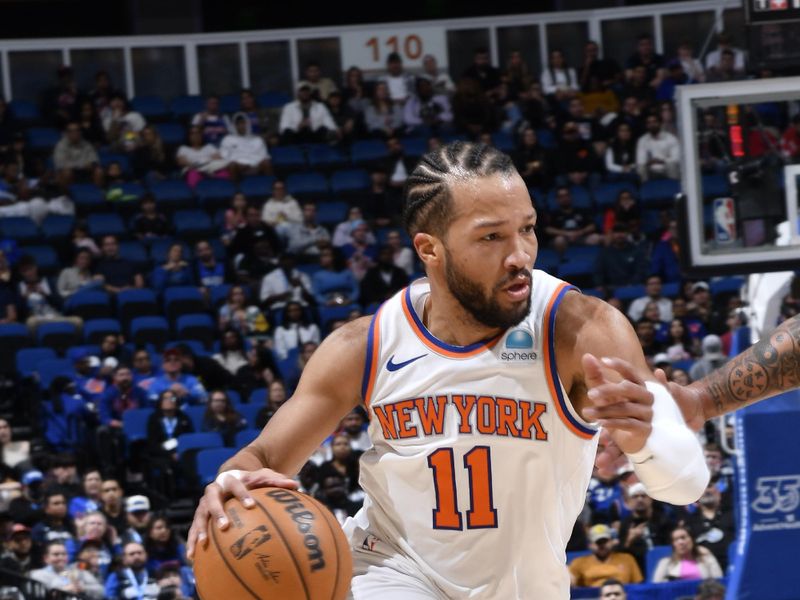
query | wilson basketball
(287,546)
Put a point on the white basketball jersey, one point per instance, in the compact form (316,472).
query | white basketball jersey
(479,465)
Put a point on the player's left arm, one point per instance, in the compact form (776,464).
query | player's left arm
(639,413)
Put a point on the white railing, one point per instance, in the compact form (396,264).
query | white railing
(593,19)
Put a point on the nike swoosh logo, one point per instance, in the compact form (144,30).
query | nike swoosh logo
(393,366)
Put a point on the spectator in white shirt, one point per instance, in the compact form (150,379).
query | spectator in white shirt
(714,57)
(294,331)
(198,160)
(653,294)
(281,208)
(245,152)
(285,284)
(442,82)
(559,81)
(657,152)
(306,120)
(403,255)
(399,82)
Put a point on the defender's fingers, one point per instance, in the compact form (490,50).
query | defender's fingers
(625,391)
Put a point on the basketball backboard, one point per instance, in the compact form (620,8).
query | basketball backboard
(739,208)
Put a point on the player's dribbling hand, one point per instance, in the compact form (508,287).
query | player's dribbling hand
(212,503)
(620,401)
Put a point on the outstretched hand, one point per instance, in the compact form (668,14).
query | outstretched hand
(620,401)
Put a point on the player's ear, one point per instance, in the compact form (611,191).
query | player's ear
(429,248)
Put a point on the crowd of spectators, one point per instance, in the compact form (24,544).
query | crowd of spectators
(85,507)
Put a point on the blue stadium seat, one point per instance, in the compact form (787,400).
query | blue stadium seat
(230,103)
(185,107)
(75,351)
(547,260)
(651,221)
(87,197)
(332,313)
(149,330)
(135,252)
(578,272)
(196,347)
(13,337)
(326,157)
(49,369)
(307,186)
(233,395)
(131,191)
(382,235)
(257,186)
(219,295)
(504,141)
(182,300)
(686,364)
(659,192)
(102,224)
(245,436)
(195,414)
(627,293)
(172,134)
(43,139)
(546,139)
(726,285)
(273,99)
(214,193)
(94,330)
(25,110)
(27,359)
(134,423)
(46,258)
(368,153)
(209,461)
(590,253)
(57,227)
(250,413)
(715,186)
(308,268)
(258,396)
(670,289)
(331,213)
(288,158)
(172,194)
(89,304)
(59,336)
(199,441)
(151,107)
(414,147)
(19,229)
(655,554)
(198,327)
(106,158)
(193,224)
(605,194)
(349,181)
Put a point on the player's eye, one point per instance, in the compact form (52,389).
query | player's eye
(528,228)
(490,237)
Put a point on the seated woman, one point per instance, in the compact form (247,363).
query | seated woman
(176,271)
(295,330)
(199,160)
(220,416)
(688,560)
(163,545)
(232,354)
(79,276)
(345,464)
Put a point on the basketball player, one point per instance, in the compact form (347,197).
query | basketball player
(476,381)
(767,368)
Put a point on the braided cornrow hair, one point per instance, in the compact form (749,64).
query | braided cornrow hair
(427,189)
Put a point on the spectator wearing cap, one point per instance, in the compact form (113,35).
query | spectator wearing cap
(17,555)
(604,562)
(342,234)
(137,510)
(285,284)
(700,301)
(646,526)
(88,384)
(306,120)
(89,500)
(711,359)
(55,526)
(187,388)
(361,253)
(58,576)
(612,589)
(26,507)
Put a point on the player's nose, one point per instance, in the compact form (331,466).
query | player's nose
(520,256)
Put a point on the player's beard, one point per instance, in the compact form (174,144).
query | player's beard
(482,307)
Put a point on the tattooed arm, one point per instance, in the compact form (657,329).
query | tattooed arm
(769,367)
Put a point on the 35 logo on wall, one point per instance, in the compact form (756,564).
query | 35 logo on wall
(776,503)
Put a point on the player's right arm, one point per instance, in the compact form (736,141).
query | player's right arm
(329,388)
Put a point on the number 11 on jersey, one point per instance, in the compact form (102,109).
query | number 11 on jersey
(481,513)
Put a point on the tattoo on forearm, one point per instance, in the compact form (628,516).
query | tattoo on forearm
(771,366)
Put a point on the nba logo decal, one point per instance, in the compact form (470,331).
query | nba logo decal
(519,338)
(724,221)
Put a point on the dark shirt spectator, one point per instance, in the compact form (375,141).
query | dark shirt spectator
(533,161)
(254,230)
(604,70)
(119,397)
(482,71)
(645,527)
(383,280)
(711,525)
(645,56)
(221,417)
(208,271)
(149,222)
(622,262)
(165,425)
(118,273)
(56,526)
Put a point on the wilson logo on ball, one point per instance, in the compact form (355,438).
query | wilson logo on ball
(304,520)
(250,541)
